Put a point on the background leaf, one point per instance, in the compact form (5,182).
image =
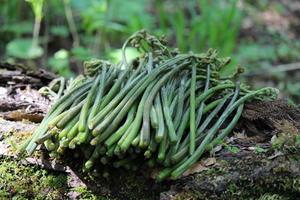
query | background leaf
(22,48)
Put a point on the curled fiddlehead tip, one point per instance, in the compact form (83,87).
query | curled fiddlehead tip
(267,93)
(92,67)
(237,71)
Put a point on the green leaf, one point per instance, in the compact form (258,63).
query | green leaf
(37,7)
(232,149)
(116,55)
(60,62)
(283,50)
(15,28)
(298,139)
(81,53)
(259,149)
(291,103)
(61,31)
(22,48)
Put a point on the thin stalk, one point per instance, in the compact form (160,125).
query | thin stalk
(193,109)
(160,131)
(148,104)
(56,109)
(120,132)
(87,103)
(170,126)
(198,153)
(100,93)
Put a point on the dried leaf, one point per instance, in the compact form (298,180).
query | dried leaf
(209,161)
(285,138)
(286,127)
(197,167)
(279,153)
(240,134)
(152,172)
(237,135)
(217,148)
(251,148)
(289,133)
(19,115)
(255,139)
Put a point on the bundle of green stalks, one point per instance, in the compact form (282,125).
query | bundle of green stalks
(162,109)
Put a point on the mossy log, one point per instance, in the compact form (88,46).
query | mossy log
(254,170)
(247,166)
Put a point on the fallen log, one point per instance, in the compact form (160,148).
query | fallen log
(248,173)
(245,166)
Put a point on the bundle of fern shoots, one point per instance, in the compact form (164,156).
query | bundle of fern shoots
(163,108)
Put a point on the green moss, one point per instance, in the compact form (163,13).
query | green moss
(227,180)
(214,171)
(86,194)
(247,188)
(29,182)
(22,182)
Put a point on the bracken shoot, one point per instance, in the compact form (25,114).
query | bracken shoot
(162,109)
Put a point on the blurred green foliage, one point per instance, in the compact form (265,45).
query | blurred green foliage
(97,28)
(255,34)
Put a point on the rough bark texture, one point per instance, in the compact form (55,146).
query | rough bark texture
(245,175)
(19,97)
(18,74)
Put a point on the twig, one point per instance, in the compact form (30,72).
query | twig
(71,23)
(278,68)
